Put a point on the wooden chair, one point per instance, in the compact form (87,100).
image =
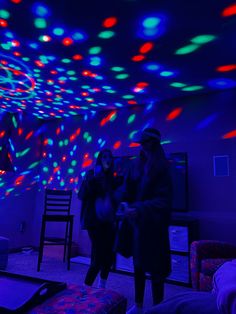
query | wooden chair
(57,206)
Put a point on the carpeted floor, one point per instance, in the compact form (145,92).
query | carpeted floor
(53,268)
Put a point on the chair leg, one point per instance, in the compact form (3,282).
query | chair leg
(42,234)
(66,241)
(70,243)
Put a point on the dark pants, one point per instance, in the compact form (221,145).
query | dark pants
(157,286)
(102,255)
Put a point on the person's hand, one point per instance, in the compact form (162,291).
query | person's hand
(130,212)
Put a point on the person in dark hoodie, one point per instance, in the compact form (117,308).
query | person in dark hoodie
(147,201)
(98,215)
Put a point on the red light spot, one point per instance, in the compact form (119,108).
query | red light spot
(138,58)
(117,145)
(132,102)
(78,131)
(44,154)
(230,10)
(20,131)
(109,22)
(29,135)
(15,43)
(64,158)
(134,144)
(17,54)
(107,118)
(174,114)
(87,163)
(86,73)
(47,38)
(2,133)
(53,72)
(72,137)
(18,180)
(230,134)
(56,169)
(39,63)
(77,57)
(58,131)
(45,142)
(142,84)
(226,68)
(67,41)
(3,23)
(84,94)
(16,1)
(146,47)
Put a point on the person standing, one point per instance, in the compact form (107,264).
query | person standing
(98,215)
(147,201)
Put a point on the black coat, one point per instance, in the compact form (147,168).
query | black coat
(152,198)
(92,188)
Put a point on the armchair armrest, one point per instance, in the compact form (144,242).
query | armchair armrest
(207,249)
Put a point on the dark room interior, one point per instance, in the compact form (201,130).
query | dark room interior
(78,77)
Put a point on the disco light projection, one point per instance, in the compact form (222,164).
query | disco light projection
(16,81)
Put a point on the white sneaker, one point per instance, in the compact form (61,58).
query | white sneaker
(135,310)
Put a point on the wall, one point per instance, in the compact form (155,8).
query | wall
(18,188)
(199,125)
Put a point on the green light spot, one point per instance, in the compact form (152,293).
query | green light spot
(62,183)
(70,72)
(40,23)
(86,135)
(113,117)
(33,165)
(70,171)
(73,163)
(66,60)
(132,134)
(192,88)
(122,76)
(55,164)
(14,122)
(4,14)
(66,142)
(45,169)
(95,50)
(131,118)
(44,182)
(187,49)
(128,96)
(177,84)
(203,39)
(106,34)
(151,22)
(165,142)
(58,31)
(6,46)
(117,69)
(89,139)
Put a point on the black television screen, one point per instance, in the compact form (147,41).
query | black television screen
(179,173)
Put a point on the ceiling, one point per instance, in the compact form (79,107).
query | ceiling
(68,57)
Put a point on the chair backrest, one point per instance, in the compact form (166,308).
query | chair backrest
(57,202)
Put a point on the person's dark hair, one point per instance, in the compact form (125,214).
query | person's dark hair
(155,162)
(99,159)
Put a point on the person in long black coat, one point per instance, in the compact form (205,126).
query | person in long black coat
(148,197)
(98,215)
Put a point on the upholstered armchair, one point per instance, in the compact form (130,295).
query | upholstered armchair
(206,256)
